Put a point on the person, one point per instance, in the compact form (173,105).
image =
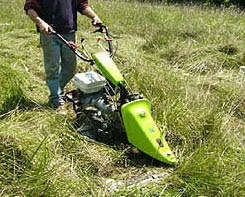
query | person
(59,60)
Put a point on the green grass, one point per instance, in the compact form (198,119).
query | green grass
(185,59)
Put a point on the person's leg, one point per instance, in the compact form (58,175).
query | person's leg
(51,50)
(68,62)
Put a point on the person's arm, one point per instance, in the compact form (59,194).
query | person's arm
(32,7)
(84,9)
(43,26)
(92,15)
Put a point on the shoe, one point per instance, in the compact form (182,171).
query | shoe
(57,103)
(61,110)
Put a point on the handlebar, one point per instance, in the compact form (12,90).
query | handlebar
(73,47)
(109,40)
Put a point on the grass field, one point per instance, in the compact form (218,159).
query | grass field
(185,59)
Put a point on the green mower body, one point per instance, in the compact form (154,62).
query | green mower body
(140,127)
(143,133)
(108,67)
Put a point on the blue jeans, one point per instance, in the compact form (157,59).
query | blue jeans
(59,63)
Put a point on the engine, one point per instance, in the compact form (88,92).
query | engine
(97,114)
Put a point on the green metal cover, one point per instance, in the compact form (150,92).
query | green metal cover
(143,133)
(108,67)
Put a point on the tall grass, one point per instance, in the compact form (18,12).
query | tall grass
(185,59)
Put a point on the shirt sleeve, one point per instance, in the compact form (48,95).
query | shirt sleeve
(32,4)
(81,5)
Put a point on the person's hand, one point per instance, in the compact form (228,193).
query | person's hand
(96,21)
(45,28)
